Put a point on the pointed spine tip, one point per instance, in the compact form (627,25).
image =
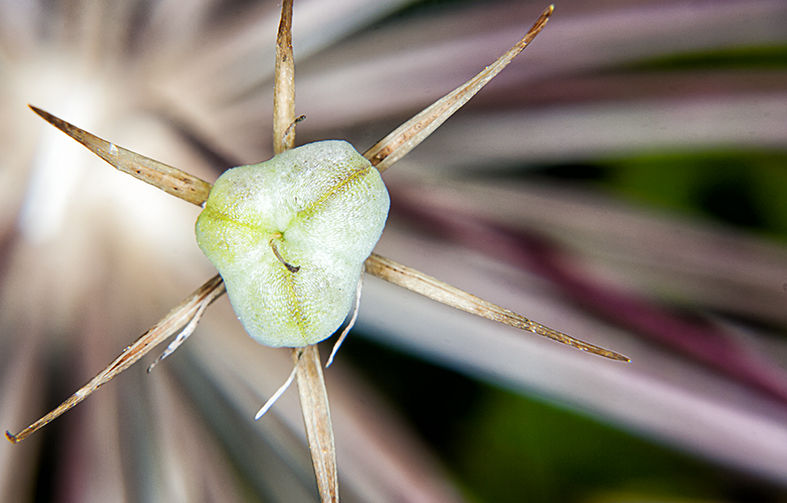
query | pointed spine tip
(46,116)
(548,12)
(37,110)
(619,357)
(542,20)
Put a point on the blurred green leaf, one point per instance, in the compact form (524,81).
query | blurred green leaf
(746,189)
(735,58)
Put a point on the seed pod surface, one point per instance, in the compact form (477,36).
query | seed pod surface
(289,237)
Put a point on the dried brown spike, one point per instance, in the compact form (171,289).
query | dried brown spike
(311,382)
(284,84)
(444,293)
(171,180)
(317,418)
(167,326)
(410,134)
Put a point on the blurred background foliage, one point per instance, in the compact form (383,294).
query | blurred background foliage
(742,189)
(577,121)
(502,446)
(505,447)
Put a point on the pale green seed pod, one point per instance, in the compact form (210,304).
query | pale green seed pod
(289,237)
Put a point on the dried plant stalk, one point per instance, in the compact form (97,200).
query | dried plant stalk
(161,331)
(311,382)
(410,134)
(284,84)
(317,418)
(170,180)
(444,293)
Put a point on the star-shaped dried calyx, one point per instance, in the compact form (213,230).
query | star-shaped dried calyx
(288,240)
(381,155)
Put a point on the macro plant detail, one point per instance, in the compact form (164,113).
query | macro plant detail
(575,188)
(291,265)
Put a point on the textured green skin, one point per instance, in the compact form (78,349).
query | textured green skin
(328,205)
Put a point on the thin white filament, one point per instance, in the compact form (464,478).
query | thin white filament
(184,334)
(279,392)
(350,325)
